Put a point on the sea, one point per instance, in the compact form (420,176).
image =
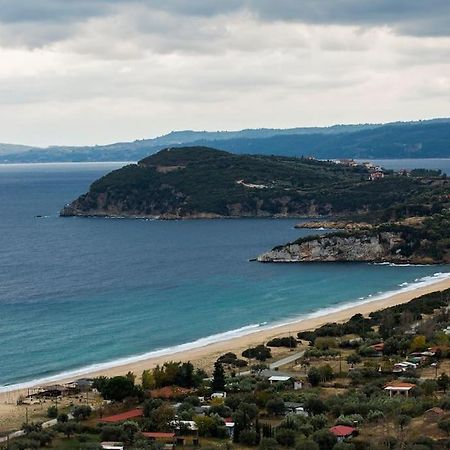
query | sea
(78,294)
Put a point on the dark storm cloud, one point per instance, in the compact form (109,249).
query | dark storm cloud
(412,17)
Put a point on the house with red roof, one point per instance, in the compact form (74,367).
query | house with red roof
(399,387)
(122,417)
(343,432)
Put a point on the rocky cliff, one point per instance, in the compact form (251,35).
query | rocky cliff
(339,247)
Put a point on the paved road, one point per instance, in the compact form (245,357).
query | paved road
(287,360)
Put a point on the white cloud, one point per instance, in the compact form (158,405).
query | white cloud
(124,70)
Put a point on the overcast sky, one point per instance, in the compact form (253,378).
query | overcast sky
(100,71)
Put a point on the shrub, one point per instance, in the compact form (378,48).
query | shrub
(268,443)
(314,376)
(81,412)
(260,352)
(319,421)
(248,437)
(289,342)
(63,418)
(354,358)
(325,439)
(344,446)
(285,437)
(52,412)
(275,406)
(307,444)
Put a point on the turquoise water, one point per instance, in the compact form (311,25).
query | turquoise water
(76,293)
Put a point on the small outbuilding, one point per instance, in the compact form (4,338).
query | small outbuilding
(111,445)
(343,432)
(401,388)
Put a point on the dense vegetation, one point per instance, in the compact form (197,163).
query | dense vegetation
(344,371)
(427,241)
(198,181)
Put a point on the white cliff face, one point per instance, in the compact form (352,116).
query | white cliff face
(338,248)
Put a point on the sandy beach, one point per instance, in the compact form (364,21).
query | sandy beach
(205,356)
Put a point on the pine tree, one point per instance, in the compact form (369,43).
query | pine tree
(218,383)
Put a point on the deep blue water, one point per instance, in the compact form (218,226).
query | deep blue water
(76,292)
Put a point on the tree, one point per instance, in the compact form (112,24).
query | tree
(268,443)
(81,412)
(443,382)
(150,405)
(118,388)
(314,405)
(52,412)
(314,376)
(131,376)
(285,437)
(162,416)
(129,430)
(148,381)
(418,344)
(347,446)
(275,406)
(67,428)
(260,352)
(248,437)
(111,433)
(218,383)
(326,373)
(353,358)
(63,418)
(324,439)
(307,444)
(185,375)
(243,418)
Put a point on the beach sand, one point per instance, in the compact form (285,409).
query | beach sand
(204,357)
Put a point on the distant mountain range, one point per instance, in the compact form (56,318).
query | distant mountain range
(422,139)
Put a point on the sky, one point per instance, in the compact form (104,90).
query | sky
(83,72)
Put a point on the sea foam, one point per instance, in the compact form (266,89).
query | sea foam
(227,335)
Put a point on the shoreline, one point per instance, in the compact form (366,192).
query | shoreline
(206,351)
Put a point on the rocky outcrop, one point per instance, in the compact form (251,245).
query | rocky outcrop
(375,247)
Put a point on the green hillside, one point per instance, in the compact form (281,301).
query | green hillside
(194,182)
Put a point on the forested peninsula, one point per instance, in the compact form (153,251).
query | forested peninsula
(405,214)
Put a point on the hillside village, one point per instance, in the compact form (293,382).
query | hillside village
(375,382)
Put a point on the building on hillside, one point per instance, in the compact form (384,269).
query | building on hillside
(122,417)
(377,175)
(404,366)
(399,388)
(112,445)
(229,423)
(166,439)
(274,377)
(378,347)
(295,408)
(186,432)
(347,162)
(343,432)
(218,395)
